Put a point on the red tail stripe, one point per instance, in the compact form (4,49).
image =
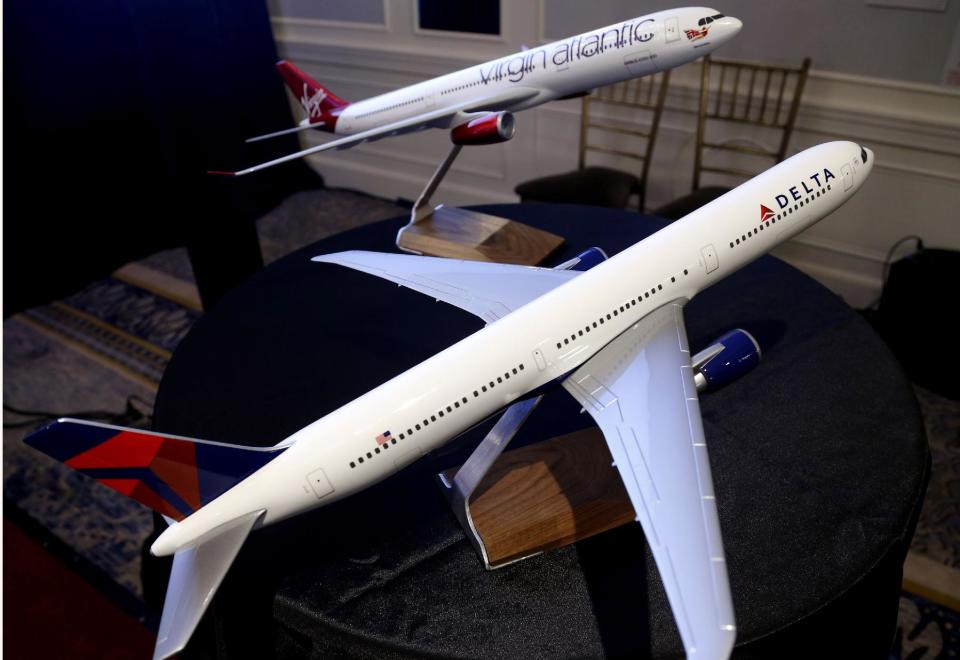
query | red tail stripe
(306,88)
(139,491)
(126,448)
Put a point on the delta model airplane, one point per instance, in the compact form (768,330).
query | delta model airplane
(477,103)
(612,335)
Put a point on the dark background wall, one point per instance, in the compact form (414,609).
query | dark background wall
(114,111)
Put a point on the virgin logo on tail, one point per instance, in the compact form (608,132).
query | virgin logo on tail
(765,213)
(311,104)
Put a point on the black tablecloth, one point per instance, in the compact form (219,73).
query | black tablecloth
(818,457)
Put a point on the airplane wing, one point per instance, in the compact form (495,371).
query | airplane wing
(489,290)
(499,101)
(641,393)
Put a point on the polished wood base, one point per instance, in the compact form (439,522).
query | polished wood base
(461,234)
(546,496)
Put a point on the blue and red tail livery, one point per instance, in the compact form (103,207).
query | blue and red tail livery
(172,475)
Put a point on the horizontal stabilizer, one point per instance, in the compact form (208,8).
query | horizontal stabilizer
(295,129)
(196,575)
(171,474)
(438,117)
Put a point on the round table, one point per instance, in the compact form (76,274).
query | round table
(818,456)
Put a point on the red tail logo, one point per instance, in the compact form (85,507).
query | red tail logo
(765,213)
(312,101)
(314,97)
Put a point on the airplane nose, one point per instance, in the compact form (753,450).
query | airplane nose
(732,25)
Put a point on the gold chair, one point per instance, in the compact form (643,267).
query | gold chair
(755,96)
(608,126)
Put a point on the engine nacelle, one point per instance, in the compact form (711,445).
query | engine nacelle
(489,129)
(727,359)
(585,260)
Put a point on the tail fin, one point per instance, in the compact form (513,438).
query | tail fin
(314,97)
(172,475)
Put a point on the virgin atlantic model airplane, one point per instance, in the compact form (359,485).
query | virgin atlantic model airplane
(476,104)
(612,335)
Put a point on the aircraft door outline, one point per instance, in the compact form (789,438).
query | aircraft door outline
(711,261)
(671,28)
(320,483)
(539,359)
(847,177)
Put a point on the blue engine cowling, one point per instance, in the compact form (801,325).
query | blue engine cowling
(727,359)
(585,260)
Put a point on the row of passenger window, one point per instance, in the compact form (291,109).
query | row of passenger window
(391,107)
(459,87)
(462,401)
(772,219)
(616,312)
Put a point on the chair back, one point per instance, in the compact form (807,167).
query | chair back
(610,111)
(751,94)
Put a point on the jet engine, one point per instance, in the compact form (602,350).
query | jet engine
(727,359)
(489,129)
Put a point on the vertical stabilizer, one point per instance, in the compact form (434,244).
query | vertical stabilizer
(171,474)
(315,99)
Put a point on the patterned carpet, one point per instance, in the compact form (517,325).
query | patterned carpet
(938,532)
(105,348)
(111,341)
(925,630)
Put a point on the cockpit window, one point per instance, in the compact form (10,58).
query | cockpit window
(716,16)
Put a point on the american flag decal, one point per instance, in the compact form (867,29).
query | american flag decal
(694,35)
(384,438)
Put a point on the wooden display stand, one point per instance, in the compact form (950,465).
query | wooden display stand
(536,498)
(461,234)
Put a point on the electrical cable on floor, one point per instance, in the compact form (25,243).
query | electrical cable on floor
(888,262)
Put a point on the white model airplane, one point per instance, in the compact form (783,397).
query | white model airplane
(477,103)
(612,335)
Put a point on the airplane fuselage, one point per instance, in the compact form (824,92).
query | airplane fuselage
(440,398)
(467,100)
(632,48)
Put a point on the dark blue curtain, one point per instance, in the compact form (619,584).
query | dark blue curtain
(114,111)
